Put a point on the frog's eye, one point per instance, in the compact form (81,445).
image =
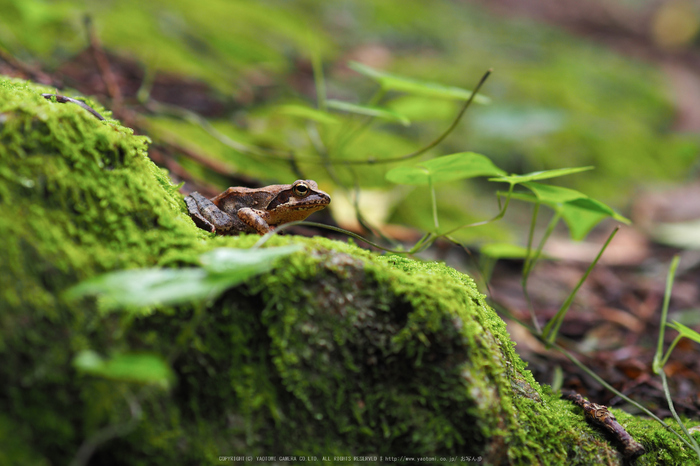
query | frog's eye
(301,189)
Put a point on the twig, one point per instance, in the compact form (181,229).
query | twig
(602,417)
(63,99)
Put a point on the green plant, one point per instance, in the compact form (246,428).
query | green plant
(660,359)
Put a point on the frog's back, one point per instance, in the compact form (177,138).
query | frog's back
(234,199)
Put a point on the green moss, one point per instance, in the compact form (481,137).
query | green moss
(338,351)
(78,196)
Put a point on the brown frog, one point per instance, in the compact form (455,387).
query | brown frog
(239,210)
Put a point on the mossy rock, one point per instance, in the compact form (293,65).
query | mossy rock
(337,352)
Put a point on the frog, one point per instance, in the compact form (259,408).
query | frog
(256,210)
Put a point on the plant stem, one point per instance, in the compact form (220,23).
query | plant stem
(657,366)
(319,80)
(552,328)
(675,415)
(434,203)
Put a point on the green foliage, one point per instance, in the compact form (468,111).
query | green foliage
(685,331)
(78,197)
(368,110)
(136,368)
(338,349)
(393,82)
(540,175)
(308,113)
(221,269)
(579,211)
(446,168)
(504,251)
(614,115)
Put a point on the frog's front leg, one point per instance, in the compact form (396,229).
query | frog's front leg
(207,215)
(254,219)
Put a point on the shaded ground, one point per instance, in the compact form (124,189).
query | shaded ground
(613,325)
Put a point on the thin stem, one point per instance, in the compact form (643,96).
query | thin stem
(144,92)
(427,239)
(250,150)
(530,237)
(346,136)
(497,217)
(675,415)
(111,431)
(280,228)
(547,233)
(552,328)
(670,350)
(482,271)
(435,142)
(434,202)
(531,264)
(319,80)
(657,366)
(527,267)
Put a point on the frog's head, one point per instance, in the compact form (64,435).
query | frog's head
(296,202)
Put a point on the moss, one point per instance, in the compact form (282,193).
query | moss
(78,196)
(338,351)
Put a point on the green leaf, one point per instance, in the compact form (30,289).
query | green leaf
(308,113)
(145,287)
(373,111)
(541,175)
(596,206)
(580,213)
(580,221)
(223,268)
(446,168)
(232,261)
(504,251)
(553,194)
(127,367)
(392,82)
(685,331)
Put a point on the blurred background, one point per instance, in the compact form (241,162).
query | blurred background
(220,87)
(609,84)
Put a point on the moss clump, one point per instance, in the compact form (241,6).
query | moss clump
(78,196)
(336,352)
